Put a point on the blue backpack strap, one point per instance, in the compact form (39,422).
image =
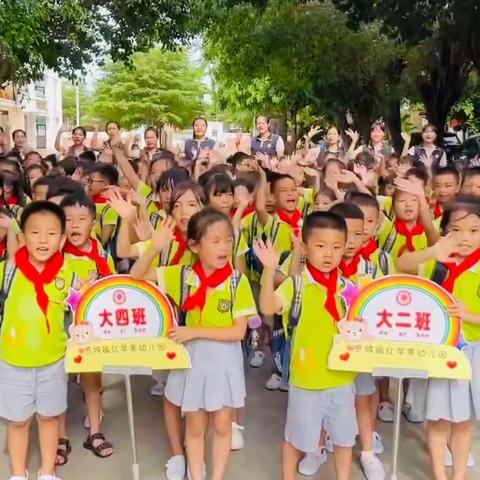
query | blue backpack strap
(384,263)
(296,306)
(184,293)
(389,242)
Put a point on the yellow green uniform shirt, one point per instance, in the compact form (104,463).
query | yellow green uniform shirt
(106,215)
(313,336)
(84,267)
(166,257)
(386,205)
(24,338)
(280,233)
(220,309)
(148,194)
(395,243)
(305,201)
(383,261)
(466,291)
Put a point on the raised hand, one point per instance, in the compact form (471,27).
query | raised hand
(313,131)
(143,228)
(265,252)
(125,210)
(446,248)
(353,135)
(162,237)
(410,186)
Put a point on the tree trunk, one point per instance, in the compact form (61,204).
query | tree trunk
(393,119)
(445,82)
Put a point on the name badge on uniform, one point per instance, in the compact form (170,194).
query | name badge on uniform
(60,283)
(224,306)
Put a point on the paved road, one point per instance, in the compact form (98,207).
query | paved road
(258,461)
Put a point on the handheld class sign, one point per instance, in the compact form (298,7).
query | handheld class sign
(122,322)
(400,322)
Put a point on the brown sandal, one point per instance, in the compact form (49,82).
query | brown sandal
(62,452)
(99,449)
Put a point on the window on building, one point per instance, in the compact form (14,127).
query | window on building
(40,89)
(41,132)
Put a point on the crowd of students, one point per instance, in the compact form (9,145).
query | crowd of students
(252,250)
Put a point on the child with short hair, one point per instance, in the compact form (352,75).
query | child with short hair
(471,181)
(453,262)
(317,396)
(354,267)
(446,185)
(100,178)
(217,307)
(33,338)
(90,262)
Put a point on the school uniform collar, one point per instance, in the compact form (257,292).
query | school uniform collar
(308,279)
(193,281)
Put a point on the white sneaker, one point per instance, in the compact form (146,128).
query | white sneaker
(385,412)
(48,477)
(372,467)
(312,462)
(329,444)
(257,359)
(274,382)
(378,447)
(238,441)
(449,459)
(411,415)
(157,389)
(284,386)
(19,477)
(189,477)
(176,467)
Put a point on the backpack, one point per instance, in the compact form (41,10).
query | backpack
(185,291)
(8,274)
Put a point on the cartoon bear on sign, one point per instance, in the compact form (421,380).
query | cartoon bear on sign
(81,334)
(352,330)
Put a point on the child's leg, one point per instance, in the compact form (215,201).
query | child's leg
(195,441)
(343,462)
(48,433)
(364,421)
(222,439)
(437,433)
(92,387)
(460,439)
(17,441)
(290,458)
(384,389)
(174,426)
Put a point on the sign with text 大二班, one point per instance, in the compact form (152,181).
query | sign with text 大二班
(400,322)
(122,322)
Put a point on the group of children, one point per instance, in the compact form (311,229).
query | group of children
(230,242)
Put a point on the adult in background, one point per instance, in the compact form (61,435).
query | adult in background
(79,134)
(266,142)
(20,145)
(200,141)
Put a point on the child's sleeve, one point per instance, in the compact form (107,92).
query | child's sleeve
(143,246)
(169,280)
(285,293)
(426,269)
(144,190)
(109,216)
(308,196)
(383,231)
(244,303)
(285,266)
(241,244)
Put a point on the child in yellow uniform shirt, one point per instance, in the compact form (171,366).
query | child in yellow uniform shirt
(90,261)
(33,338)
(318,397)
(446,184)
(354,267)
(216,321)
(100,177)
(452,406)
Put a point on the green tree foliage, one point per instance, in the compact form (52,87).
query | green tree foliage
(159,87)
(69,103)
(65,35)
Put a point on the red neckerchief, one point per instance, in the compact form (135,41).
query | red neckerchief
(198,298)
(3,248)
(437,210)
(182,246)
(39,279)
(330,284)
(158,204)
(99,198)
(94,254)
(455,270)
(350,269)
(369,249)
(247,211)
(292,219)
(402,229)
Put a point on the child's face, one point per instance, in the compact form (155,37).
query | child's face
(43,236)
(39,192)
(370,224)
(156,171)
(222,202)
(80,222)
(34,175)
(445,187)
(332,168)
(186,206)
(165,195)
(322,203)
(286,194)
(465,228)
(325,248)
(215,247)
(471,185)
(240,194)
(355,237)
(389,189)
(32,159)
(405,206)
(96,184)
